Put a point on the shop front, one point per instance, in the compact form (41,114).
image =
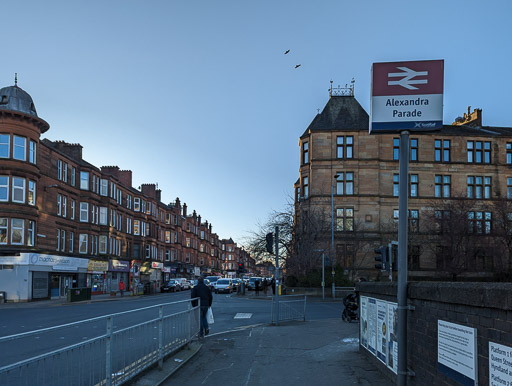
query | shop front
(98,276)
(117,270)
(135,284)
(34,276)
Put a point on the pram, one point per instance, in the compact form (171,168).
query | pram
(351,311)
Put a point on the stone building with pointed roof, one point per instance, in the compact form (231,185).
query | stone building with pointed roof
(349,180)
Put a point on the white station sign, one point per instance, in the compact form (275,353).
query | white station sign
(407,96)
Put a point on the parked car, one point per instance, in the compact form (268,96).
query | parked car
(192,283)
(224,285)
(206,282)
(183,283)
(212,280)
(251,284)
(171,286)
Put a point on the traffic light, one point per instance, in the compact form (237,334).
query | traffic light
(270,242)
(382,257)
(241,268)
(394,257)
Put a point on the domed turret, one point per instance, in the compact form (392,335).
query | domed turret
(15,99)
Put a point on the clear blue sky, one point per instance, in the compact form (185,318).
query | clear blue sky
(203,88)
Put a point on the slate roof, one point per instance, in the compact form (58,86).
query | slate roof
(340,113)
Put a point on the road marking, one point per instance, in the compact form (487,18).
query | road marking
(242,315)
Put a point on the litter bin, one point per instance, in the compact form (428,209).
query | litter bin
(2,297)
(78,294)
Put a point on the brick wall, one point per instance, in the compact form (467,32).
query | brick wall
(484,306)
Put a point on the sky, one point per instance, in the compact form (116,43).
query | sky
(199,97)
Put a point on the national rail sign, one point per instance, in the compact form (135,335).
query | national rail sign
(407,96)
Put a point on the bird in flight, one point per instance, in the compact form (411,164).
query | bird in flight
(286,52)
(298,65)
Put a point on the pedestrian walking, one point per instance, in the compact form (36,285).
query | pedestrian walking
(257,287)
(203,292)
(122,287)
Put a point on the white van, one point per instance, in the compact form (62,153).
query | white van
(184,284)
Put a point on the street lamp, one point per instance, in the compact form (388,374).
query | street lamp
(332,232)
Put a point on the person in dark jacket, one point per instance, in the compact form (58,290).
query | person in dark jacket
(202,291)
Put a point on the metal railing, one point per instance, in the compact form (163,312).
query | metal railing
(289,307)
(128,346)
(341,292)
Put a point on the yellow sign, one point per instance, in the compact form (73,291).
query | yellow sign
(98,265)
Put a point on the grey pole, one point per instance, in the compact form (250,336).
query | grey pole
(403,221)
(323,275)
(332,235)
(277,276)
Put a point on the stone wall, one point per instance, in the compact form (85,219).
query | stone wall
(484,306)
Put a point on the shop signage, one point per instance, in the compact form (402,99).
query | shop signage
(119,266)
(166,269)
(407,96)
(98,266)
(61,263)
(156,265)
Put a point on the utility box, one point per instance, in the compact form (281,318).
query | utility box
(79,294)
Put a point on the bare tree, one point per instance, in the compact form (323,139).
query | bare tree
(256,242)
(502,231)
(461,237)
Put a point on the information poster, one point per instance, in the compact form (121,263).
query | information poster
(363,325)
(378,330)
(392,327)
(456,352)
(372,324)
(500,365)
(381,330)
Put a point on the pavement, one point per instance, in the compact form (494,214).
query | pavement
(293,353)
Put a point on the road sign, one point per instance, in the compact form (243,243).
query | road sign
(407,96)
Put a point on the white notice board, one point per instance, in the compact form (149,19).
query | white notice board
(456,352)
(500,365)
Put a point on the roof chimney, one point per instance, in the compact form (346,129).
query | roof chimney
(125,177)
(472,119)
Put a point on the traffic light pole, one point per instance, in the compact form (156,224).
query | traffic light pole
(276,297)
(403,225)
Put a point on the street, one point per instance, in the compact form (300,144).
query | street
(230,312)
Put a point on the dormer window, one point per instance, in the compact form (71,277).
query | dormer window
(3,101)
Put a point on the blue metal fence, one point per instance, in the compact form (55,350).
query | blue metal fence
(289,307)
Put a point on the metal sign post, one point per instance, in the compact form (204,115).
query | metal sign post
(406,96)
(403,220)
(276,297)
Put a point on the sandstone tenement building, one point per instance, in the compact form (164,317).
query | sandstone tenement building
(65,223)
(350,179)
